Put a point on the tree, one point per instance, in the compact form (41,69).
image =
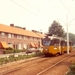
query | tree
(72,38)
(56,29)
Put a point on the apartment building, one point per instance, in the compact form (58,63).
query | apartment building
(18,38)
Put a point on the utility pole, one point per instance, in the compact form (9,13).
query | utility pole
(67,36)
(67,24)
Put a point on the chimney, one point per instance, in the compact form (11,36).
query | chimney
(24,28)
(41,32)
(12,25)
(33,31)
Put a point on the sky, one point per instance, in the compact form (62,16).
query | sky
(38,14)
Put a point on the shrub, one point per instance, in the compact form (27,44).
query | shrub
(11,58)
(6,60)
(8,51)
(72,70)
(24,50)
(9,48)
(1,61)
(17,51)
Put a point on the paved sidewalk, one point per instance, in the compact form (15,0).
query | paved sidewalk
(16,54)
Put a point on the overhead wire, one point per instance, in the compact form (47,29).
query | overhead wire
(66,8)
(26,9)
(30,5)
(69,9)
(71,14)
(36,9)
(29,11)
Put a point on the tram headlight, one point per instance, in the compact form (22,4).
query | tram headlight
(46,49)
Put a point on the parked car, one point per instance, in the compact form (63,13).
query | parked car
(30,50)
(40,49)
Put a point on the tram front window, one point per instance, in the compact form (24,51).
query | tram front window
(46,42)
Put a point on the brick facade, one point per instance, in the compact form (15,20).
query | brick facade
(18,41)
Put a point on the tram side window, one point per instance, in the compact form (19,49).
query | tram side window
(71,43)
(63,43)
(55,42)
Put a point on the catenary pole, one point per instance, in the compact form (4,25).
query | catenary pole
(67,36)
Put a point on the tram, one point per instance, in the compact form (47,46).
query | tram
(53,45)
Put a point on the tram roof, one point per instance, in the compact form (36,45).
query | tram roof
(54,37)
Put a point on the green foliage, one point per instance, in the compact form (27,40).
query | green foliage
(39,54)
(20,57)
(6,60)
(72,69)
(9,48)
(17,51)
(70,73)
(12,51)
(29,56)
(12,58)
(71,37)
(1,61)
(24,50)
(56,29)
(8,51)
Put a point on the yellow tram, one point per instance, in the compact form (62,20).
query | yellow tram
(53,45)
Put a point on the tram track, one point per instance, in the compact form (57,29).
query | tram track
(20,65)
(34,67)
(48,71)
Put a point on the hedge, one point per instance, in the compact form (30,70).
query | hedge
(11,51)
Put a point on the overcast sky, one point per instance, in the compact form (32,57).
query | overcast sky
(38,14)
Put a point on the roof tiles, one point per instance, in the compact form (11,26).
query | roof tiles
(19,31)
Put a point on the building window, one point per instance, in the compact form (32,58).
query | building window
(10,45)
(19,46)
(12,35)
(25,37)
(39,39)
(35,39)
(20,37)
(25,46)
(2,35)
(31,38)
(9,35)
(17,36)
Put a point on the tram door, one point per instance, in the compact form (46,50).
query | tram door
(62,46)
